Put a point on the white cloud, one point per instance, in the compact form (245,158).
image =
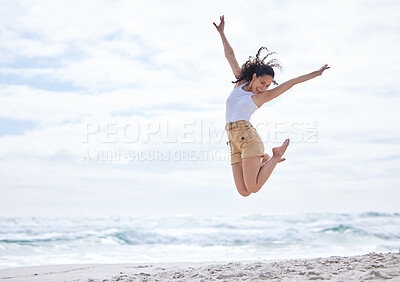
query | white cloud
(157,61)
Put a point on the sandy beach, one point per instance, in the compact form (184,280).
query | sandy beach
(371,267)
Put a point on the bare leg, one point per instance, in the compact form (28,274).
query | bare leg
(254,175)
(239,181)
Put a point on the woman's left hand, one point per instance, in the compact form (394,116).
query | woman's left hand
(321,70)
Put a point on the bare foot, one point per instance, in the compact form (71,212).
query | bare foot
(267,157)
(279,151)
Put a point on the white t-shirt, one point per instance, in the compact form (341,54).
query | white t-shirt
(239,105)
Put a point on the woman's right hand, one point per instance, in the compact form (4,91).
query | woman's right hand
(220,27)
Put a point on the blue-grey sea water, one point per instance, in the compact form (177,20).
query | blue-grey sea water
(26,241)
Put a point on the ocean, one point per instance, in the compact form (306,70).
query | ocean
(28,241)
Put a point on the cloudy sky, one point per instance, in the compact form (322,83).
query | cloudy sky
(118,107)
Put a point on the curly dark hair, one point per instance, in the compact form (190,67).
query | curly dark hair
(259,67)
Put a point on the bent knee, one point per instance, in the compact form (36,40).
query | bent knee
(252,188)
(244,194)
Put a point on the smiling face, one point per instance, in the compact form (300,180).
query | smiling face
(260,83)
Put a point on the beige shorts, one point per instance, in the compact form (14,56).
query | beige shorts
(244,141)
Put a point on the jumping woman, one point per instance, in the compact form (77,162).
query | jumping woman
(251,167)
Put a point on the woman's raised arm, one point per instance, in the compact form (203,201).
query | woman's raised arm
(268,95)
(229,54)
